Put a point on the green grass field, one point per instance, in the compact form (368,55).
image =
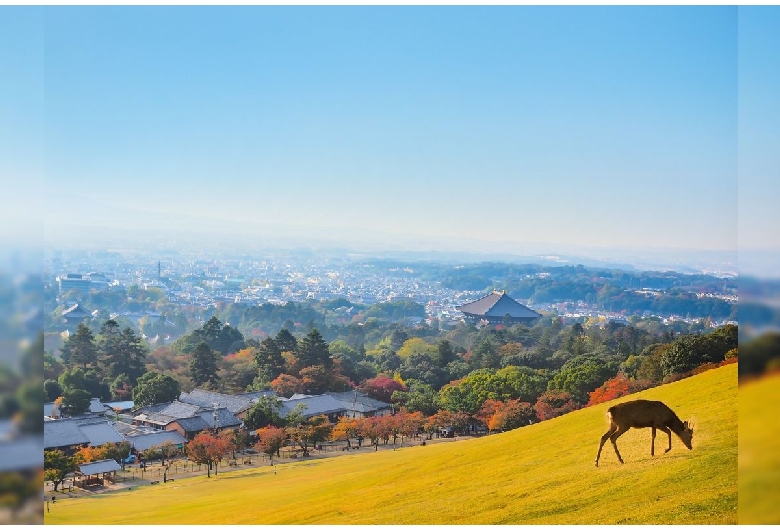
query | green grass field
(542,473)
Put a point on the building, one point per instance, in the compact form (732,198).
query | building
(497,308)
(75,314)
(185,418)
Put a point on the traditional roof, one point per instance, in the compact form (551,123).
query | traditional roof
(497,305)
(64,433)
(206,398)
(359,402)
(195,424)
(75,311)
(21,454)
(315,405)
(99,466)
(142,442)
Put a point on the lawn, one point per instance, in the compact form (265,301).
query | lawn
(540,474)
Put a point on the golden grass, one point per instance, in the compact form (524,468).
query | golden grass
(543,473)
(759,451)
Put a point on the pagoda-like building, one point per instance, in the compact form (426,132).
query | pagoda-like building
(496,308)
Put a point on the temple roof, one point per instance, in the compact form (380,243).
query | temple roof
(497,305)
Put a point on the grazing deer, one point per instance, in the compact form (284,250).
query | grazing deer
(640,414)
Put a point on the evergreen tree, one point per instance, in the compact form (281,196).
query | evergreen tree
(122,353)
(154,387)
(313,350)
(446,353)
(203,365)
(269,360)
(285,341)
(80,348)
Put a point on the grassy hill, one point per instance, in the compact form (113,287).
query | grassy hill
(759,451)
(542,473)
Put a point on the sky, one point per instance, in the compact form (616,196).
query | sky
(487,128)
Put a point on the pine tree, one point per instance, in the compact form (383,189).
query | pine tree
(80,348)
(269,360)
(313,350)
(285,341)
(203,365)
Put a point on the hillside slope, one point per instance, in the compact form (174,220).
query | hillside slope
(542,473)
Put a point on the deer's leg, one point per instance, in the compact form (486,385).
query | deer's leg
(652,443)
(669,433)
(612,429)
(614,438)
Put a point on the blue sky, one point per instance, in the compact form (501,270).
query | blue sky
(597,127)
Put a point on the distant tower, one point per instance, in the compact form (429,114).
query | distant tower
(159,276)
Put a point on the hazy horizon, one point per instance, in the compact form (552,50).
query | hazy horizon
(609,132)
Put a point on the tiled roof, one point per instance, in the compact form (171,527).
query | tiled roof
(177,409)
(315,405)
(101,433)
(75,311)
(498,305)
(358,401)
(22,453)
(192,424)
(64,433)
(142,442)
(99,466)
(225,418)
(205,398)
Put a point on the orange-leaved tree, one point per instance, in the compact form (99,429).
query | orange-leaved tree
(270,440)
(207,448)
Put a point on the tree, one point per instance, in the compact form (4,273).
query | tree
(446,353)
(208,449)
(51,390)
(80,348)
(270,440)
(511,415)
(382,387)
(421,397)
(552,404)
(75,402)
(618,386)
(154,387)
(285,341)
(57,465)
(313,350)
(203,365)
(581,375)
(286,385)
(124,354)
(346,429)
(318,379)
(269,360)
(263,413)
(310,432)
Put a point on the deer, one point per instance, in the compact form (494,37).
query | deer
(642,413)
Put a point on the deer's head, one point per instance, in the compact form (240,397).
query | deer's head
(687,434)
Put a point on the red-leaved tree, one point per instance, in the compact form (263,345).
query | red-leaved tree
(207,448)
(381,387)
(614,388)
(511,415)
(286,385)
(553,403)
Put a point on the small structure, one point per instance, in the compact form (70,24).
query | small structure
(75,314)
(497,308)
(96,473)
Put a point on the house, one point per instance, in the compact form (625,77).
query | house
(185,418)
(238,404)
(313,406)
(360,405)
(142,441)
(69,435)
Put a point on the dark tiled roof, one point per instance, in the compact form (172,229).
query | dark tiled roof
(205,398)
(142,442)
(75,311)
(64,433)
(315,405)
(360,401)
(99,466)
(498,305)
(193,424)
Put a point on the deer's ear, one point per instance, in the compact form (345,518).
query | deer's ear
(685,424)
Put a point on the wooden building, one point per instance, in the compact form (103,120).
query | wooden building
(497,308)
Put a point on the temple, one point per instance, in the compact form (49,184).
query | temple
(497,308)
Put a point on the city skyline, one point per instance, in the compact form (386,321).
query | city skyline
(511,128)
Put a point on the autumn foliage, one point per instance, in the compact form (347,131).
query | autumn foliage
(554,403)
(382,387)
